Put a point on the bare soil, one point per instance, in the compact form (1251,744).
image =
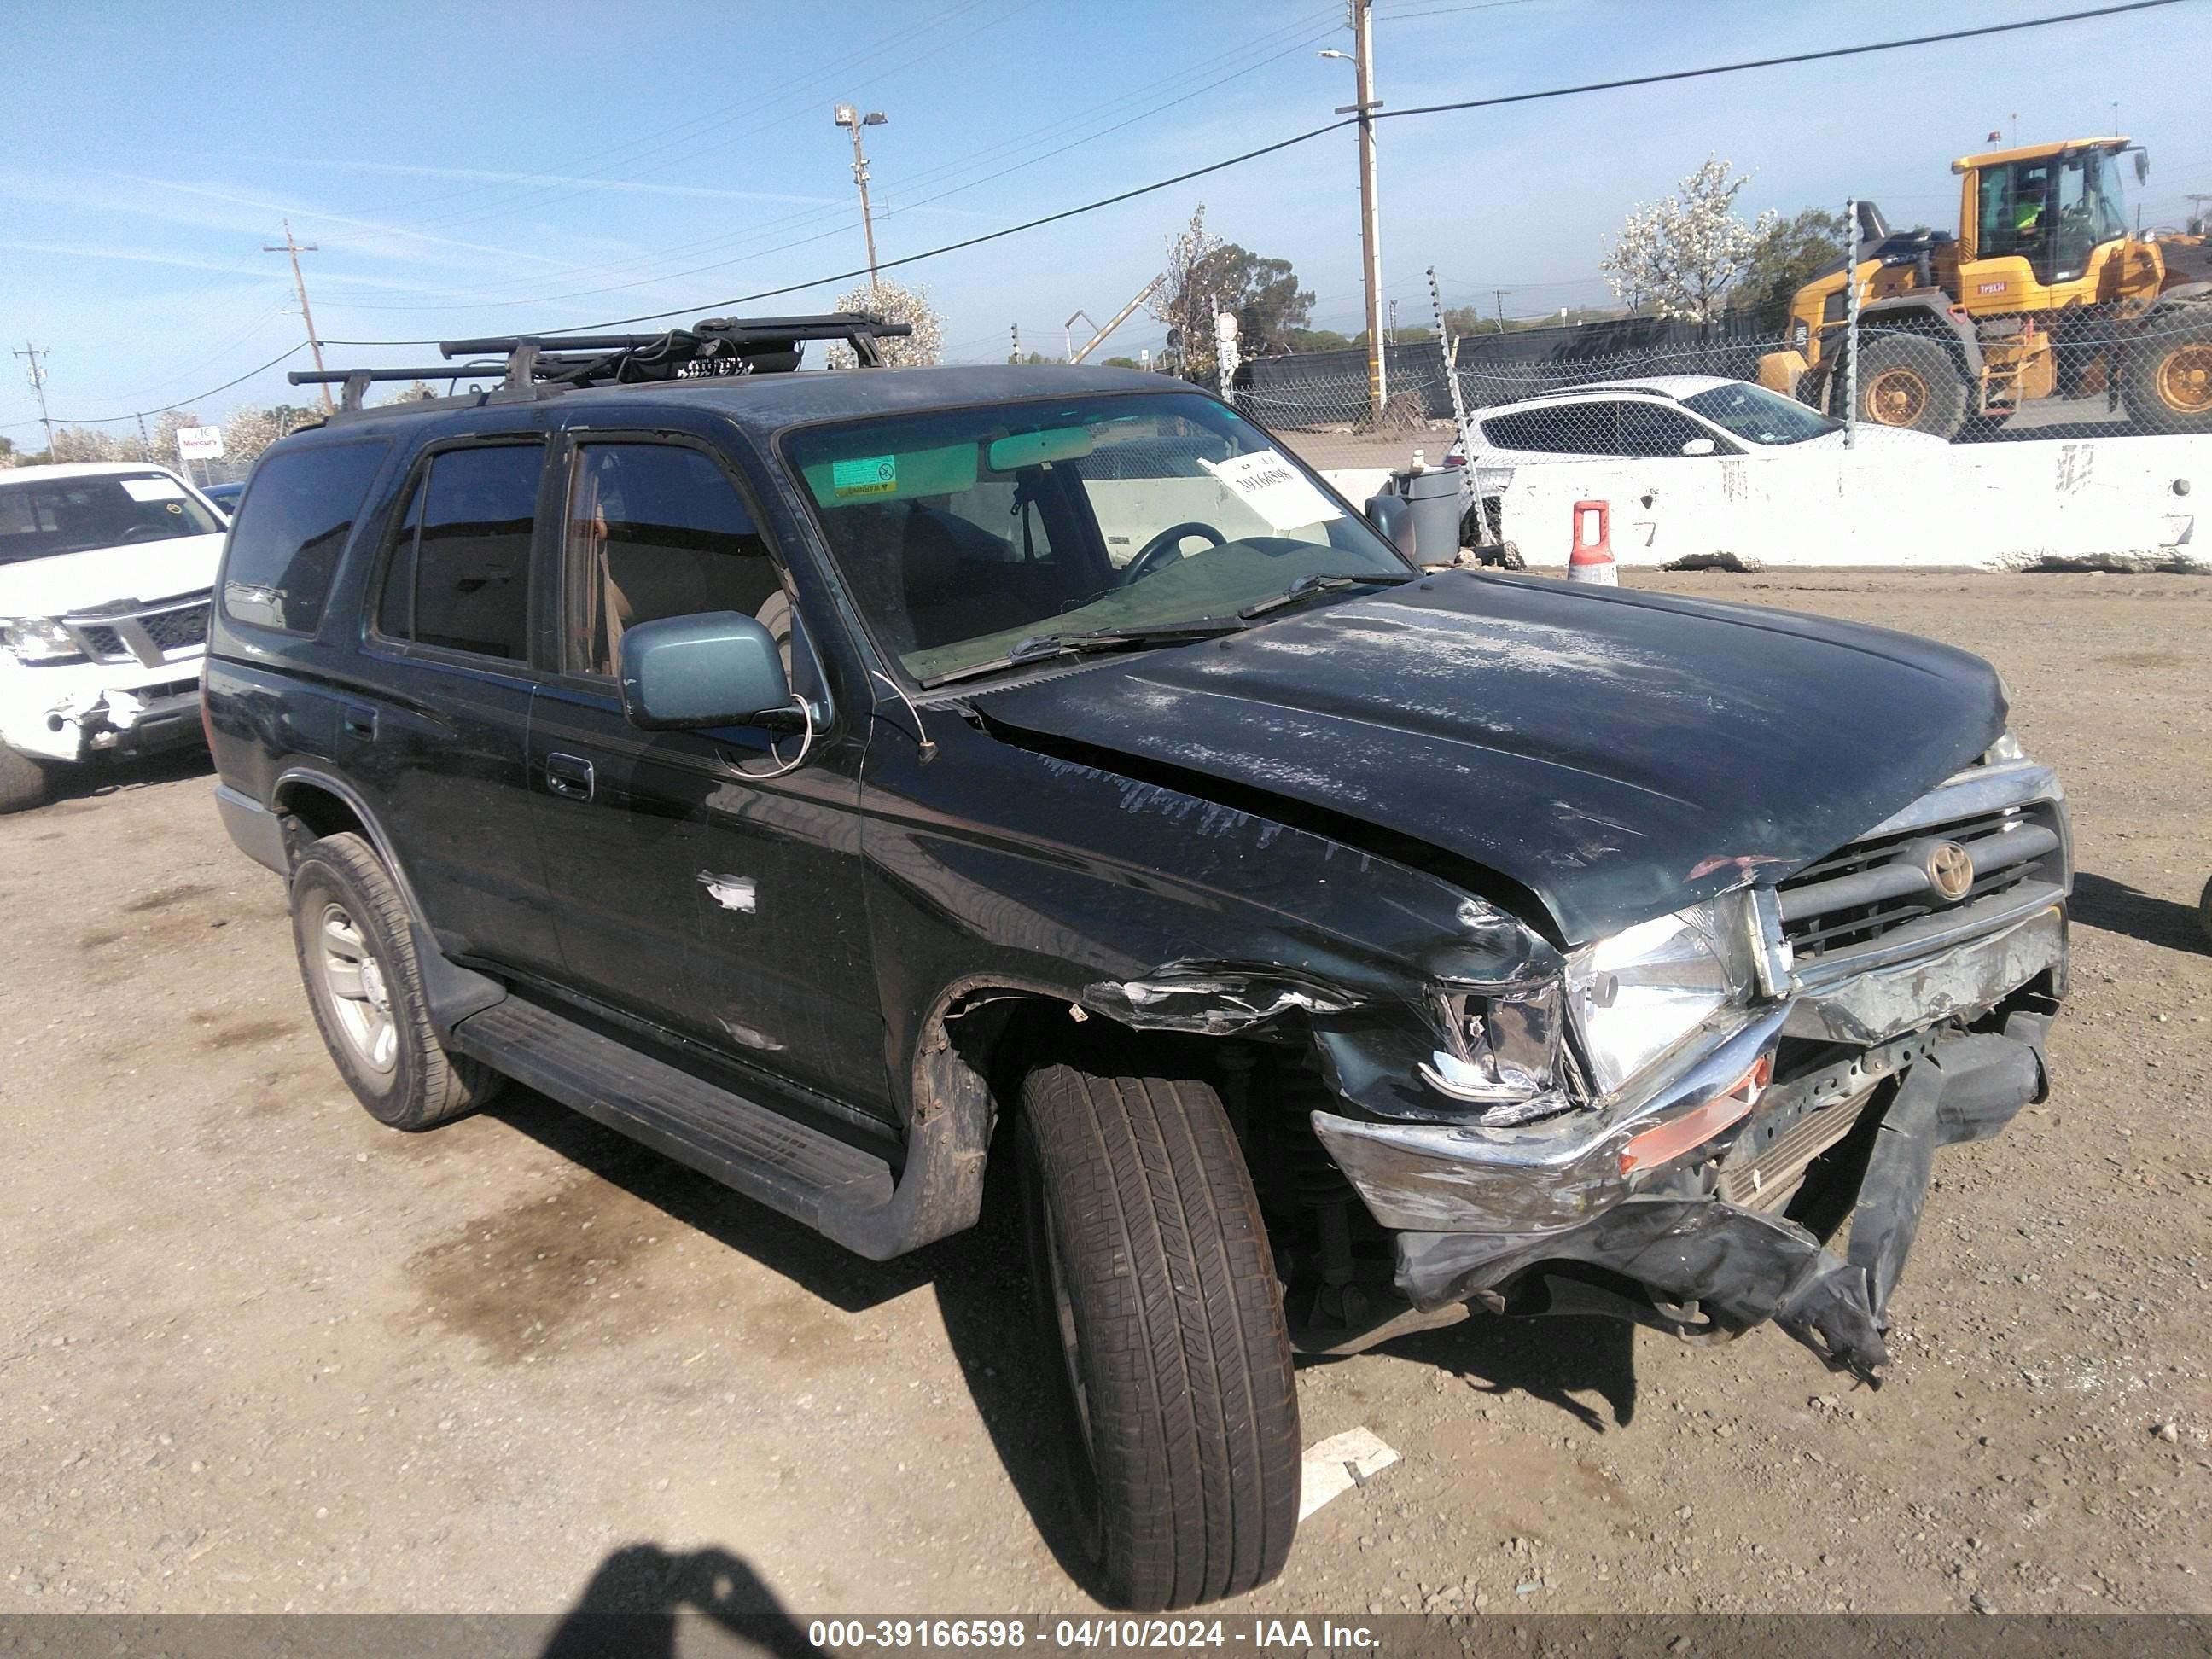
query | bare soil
(257,1352)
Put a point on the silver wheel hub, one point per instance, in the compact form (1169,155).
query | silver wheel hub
(359,995)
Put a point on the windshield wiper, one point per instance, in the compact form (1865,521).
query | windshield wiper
(1307,585)
(1037,647)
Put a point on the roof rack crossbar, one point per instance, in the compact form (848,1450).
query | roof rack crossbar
(535,366)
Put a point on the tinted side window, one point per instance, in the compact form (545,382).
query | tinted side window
(1527,431)
(653,531)
(1648,429)
(290,531)
(460,573)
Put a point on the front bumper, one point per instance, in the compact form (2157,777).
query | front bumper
(76,711)
(1740,1267)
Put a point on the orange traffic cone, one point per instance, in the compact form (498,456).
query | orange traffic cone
(1592,560)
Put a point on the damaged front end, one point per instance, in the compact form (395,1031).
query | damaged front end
(1667,1123)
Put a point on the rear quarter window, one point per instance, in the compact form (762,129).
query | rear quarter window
(291,527)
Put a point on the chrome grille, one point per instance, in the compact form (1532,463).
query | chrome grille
(1826,931)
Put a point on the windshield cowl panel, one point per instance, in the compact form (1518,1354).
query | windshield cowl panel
(977,540)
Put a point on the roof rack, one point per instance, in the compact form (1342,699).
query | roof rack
(534,366)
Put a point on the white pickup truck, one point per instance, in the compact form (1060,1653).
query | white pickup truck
(105,572)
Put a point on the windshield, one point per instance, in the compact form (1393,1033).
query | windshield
(42,517)
(1759,416)
(967,533)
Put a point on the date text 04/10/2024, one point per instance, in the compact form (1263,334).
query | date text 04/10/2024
(1259,1635)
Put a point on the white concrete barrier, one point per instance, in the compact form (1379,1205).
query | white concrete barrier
(2117,503)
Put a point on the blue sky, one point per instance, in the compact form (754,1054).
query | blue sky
(489,166)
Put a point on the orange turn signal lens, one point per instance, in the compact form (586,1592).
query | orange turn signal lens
(1664,1142)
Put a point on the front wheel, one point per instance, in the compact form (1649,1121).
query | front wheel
(1909,381)
(22,781)
(1162,1319)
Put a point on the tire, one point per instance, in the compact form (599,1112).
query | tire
(357,948)
(1909,381)
(1157,1300)
(22,781)
(2165,373)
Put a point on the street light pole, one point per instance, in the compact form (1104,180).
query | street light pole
(848,115)
(1370,209)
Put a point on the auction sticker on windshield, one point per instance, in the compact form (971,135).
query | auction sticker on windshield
(871,474)
(1274,489)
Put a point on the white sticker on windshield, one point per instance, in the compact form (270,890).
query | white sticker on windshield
(1274,490)
(154,490)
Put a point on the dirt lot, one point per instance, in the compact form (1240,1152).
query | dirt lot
(256,1352)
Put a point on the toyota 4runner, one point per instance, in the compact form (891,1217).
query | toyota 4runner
(838,780)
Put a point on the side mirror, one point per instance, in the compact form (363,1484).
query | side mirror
(2143,167)
(680,673)
(1699,446)
(1393,518)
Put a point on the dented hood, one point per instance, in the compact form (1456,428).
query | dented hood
(1615,755)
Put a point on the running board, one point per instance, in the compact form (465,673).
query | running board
(806,1174)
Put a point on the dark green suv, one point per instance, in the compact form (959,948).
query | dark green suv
(837,781)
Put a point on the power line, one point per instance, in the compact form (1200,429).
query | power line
(110,420)
(1254,155)
(1306,37)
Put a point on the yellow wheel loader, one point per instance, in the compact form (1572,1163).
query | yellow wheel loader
(2045,292)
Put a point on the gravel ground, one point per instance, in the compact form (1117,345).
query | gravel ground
(259,1353)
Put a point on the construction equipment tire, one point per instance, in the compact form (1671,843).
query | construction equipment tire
(1907,380)
(2165,372)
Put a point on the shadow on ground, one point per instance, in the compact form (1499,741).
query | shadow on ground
(980,1279)
(107,777)
(2117,907)
(642,1595)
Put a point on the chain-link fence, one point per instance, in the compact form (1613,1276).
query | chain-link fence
(1610,390)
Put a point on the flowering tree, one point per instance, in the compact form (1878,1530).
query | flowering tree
(1182,302)
(252,430)
(1679,256)
(895,302)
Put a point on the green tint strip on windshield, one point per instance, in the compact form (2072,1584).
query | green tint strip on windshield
(895,476)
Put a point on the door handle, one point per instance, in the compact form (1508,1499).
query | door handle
(359,719)
(569,777)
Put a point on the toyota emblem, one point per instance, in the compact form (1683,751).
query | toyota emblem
(1951,872)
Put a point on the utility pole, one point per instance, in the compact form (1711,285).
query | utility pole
(296,249)
(848,115)
(1370,210)
(31,354)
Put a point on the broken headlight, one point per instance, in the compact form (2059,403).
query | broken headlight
(1499,1051)
(1635,996)
(38,639)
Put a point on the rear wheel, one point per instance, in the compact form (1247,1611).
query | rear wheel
(1908,381)
(22,781)
(356,951)
(1162,1319)
(2166,372)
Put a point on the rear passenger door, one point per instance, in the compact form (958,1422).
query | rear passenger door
(439,744)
